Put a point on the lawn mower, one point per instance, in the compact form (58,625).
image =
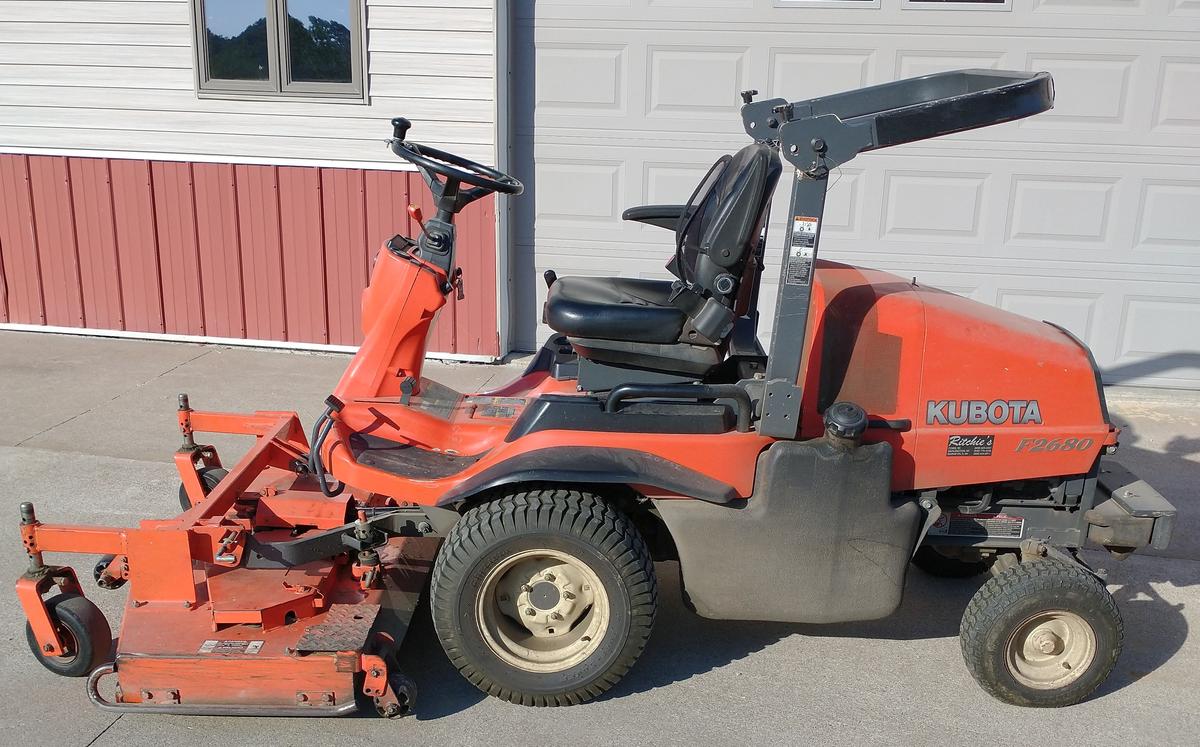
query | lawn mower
(889,423)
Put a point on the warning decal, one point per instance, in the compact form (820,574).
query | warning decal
(230,647)
(979,525)
(801,250)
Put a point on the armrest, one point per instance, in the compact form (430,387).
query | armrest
(663,216)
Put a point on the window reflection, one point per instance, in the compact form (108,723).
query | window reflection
(237,39)
(320,43)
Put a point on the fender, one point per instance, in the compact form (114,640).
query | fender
(579,464)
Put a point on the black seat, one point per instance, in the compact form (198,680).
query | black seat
(629,309)
(681,325)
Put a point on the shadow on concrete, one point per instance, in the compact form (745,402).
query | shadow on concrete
(1155,629)
(684,645)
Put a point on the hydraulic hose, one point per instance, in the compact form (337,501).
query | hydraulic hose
(320,432)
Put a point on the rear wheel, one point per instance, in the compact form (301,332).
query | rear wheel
(84,632)
(1042,634)
(209,477)
(545,597)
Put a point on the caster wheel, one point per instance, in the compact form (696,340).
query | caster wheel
(103,580)
(544,597)
(405,691)
(86,637)
(1041,634)
(209,477)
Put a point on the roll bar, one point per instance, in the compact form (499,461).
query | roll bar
(822,133)
(903,111)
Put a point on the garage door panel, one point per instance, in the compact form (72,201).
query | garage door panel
(1088,215)
(1090,90)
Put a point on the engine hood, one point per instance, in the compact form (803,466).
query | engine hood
(970,393)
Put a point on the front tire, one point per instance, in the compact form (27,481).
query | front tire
(1041,634)
(545,597)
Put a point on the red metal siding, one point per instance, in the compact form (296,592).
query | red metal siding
(302,234)
(54,223)
(96,238)
(22,273)
(254,252)
(178,248)
(137,245)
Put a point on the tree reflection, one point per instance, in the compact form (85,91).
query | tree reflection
(319,51)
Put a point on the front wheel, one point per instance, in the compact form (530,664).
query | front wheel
(83,629)
(544,597)
(1042,634)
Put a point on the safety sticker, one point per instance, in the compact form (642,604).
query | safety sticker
(970,446)
(979,525)
(801,250)
(230,647)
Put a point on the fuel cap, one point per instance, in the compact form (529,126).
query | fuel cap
(845,420)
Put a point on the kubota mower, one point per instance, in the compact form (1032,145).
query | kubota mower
(889,422)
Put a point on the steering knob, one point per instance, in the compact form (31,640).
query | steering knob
(400,127)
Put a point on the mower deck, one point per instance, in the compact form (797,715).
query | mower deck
(214,658)
(250,602)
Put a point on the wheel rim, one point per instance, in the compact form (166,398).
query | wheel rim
(1051,650)
(542,610)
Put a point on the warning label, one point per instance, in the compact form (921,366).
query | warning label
(979,525)
(230,647)
(801,250)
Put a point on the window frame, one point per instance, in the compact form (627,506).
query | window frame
(279,83)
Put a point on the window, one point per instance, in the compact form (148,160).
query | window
(307,48)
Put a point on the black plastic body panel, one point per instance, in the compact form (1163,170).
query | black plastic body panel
(579,413)
(557,358)
(405,460)
(1129,512)
(821,540)
(582,465)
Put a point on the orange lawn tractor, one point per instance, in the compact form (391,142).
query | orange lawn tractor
(888,423)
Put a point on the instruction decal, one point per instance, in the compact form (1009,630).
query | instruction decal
(979,525)
(970,446)
(230,647)
(801,250)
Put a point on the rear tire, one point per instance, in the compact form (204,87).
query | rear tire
(933,562)
(545,597)
(1041,634)
(83,629)
(209,477)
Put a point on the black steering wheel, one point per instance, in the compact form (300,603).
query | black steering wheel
(451,167)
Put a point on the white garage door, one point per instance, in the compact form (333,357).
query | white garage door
(1088,216)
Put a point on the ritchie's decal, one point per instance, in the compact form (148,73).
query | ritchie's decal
(978,412)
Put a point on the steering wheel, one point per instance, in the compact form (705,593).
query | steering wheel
(453,168)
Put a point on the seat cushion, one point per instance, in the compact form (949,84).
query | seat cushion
(628,309)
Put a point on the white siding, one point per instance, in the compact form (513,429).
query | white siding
(117,77)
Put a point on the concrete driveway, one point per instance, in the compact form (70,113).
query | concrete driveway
(87,430)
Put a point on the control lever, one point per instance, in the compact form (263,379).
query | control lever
(414,212)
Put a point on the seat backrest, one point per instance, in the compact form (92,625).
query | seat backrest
(718,233)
